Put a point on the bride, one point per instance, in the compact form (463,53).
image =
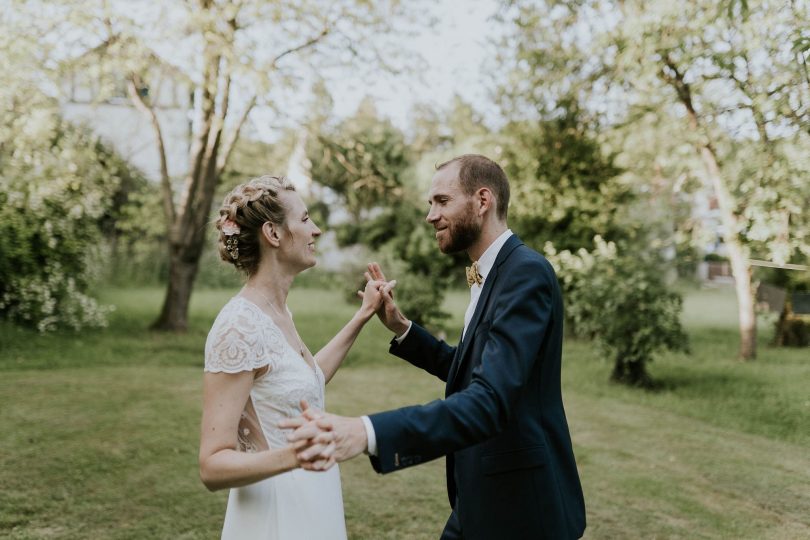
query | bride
(258,372)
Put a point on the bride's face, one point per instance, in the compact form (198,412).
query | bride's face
(298,244)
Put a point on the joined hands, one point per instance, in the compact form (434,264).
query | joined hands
(316,451)
(321,439)
(387,311)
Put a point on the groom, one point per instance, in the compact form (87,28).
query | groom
(510,466)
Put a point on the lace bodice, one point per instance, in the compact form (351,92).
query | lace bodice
(245,338)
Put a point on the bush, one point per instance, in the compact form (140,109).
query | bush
(58,186)
(622,302)
(714,257)
(136,240)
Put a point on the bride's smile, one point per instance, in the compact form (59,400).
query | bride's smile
(303,232)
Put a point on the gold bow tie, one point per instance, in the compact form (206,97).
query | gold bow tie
(473,275)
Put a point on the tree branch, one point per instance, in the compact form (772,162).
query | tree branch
(233,137)
(681,87)
(230,142)
(300,47)
(707,153)
(199,146)
(165,181)
(345,163)
(215,135)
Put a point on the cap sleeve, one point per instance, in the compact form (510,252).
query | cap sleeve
(241,340)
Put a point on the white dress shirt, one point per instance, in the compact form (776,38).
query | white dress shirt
(485,263)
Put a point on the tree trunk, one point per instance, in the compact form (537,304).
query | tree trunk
(632,373)
(182,271)
(208,156)
(740,264)
(791,331)
(741,269)
(186,244)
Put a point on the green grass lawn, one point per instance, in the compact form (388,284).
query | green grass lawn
(100,431)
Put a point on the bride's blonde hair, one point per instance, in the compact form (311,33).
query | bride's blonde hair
(247,207)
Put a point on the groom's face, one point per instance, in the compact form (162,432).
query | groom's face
(452,212)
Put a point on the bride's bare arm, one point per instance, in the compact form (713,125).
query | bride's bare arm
(333,353)
(221,465)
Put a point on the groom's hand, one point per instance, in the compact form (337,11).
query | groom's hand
(389,313)
(318,447)
(349,434)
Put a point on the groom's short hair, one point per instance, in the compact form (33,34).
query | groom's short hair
(476,171)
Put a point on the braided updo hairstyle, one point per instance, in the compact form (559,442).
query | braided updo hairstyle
(249,206)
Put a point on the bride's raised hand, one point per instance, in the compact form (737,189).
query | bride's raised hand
(389,313)
(373,295)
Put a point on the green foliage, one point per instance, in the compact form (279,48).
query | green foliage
(135,240)
(566,49)
(772,187)
(243,56)
(791,280)
(252,158)
(366,162)
(714,257)
(59,189)
(564,189)
(702,101)
(621,301)
(138,248)
(363,159)
(401,230)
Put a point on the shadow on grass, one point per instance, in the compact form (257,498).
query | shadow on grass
(698,383)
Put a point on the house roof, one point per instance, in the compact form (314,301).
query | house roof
(118,43)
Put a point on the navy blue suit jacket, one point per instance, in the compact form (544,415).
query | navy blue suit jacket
(510,465)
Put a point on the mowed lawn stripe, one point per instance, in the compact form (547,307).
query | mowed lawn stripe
(651,473)
(111,452)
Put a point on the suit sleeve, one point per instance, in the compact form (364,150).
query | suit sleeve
(425,351)
(413,435)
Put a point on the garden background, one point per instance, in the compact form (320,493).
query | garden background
(659,156)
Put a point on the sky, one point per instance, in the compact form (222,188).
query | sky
(457,58)
(457,52)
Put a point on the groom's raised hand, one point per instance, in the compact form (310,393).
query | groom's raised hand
(389,313)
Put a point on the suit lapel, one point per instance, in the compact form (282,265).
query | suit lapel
(489,283)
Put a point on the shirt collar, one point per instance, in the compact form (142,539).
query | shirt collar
(486,260)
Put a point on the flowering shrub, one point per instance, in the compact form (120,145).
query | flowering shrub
(51,301)
(57,186)
(622,302)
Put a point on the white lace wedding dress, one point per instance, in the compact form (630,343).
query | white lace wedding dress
(298,504)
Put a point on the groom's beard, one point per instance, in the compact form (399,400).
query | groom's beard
(463,234)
